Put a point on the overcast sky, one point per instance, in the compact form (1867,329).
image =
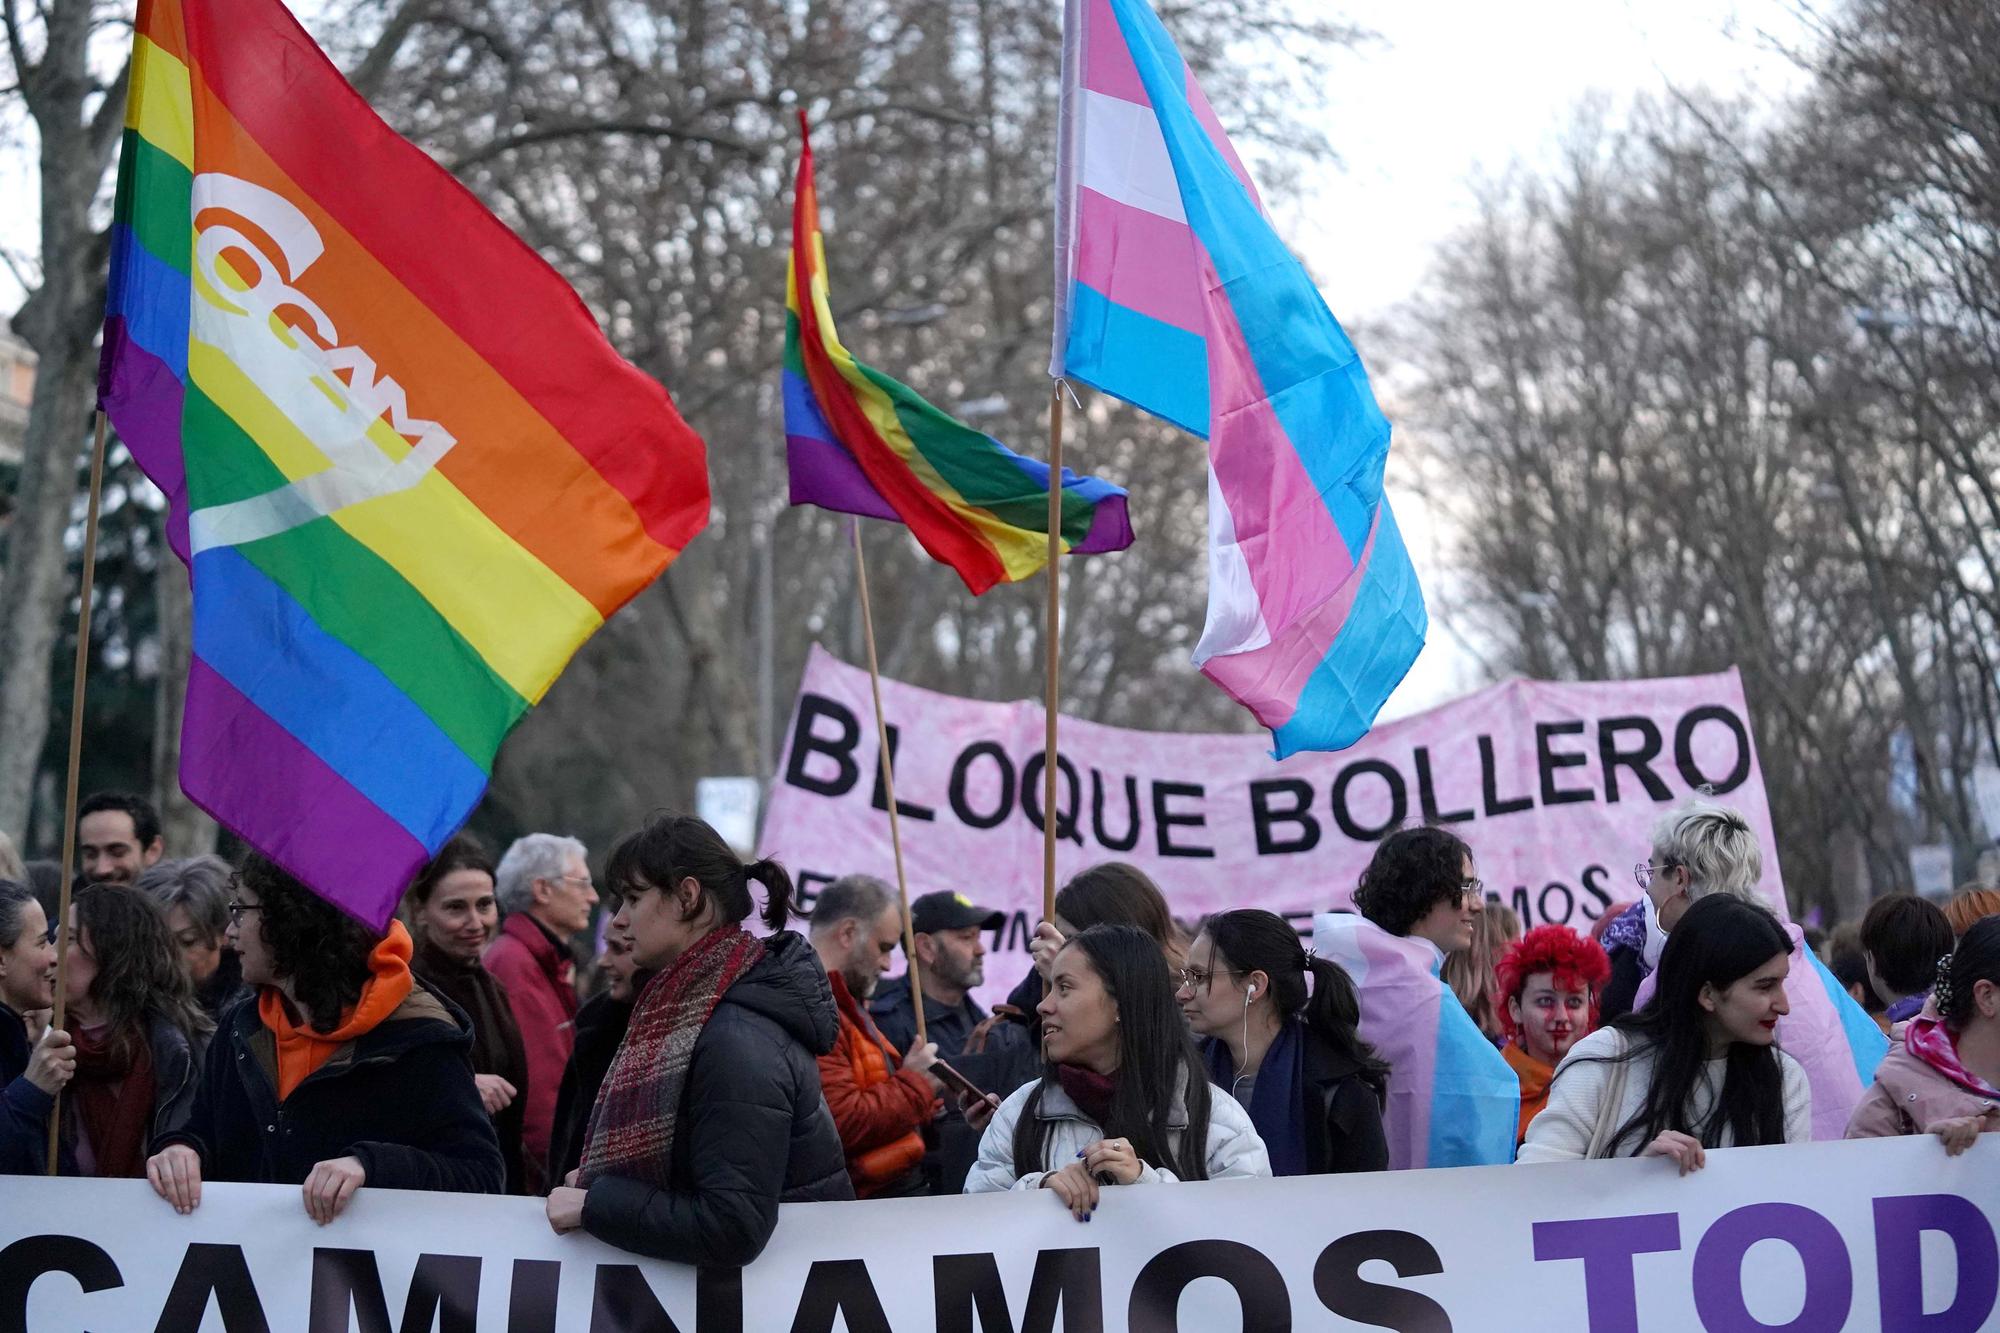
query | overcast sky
(1451,89)
(1457,88)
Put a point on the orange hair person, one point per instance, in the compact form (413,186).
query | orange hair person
(1549,982)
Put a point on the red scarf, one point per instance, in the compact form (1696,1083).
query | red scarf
(632,1126)
(113,1092)
(1090,1090)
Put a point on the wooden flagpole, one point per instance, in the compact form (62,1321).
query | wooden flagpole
(56,1015)
(1052,636)
(889,785)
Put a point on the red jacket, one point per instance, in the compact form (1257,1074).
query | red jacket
(537,975)
(879,1107)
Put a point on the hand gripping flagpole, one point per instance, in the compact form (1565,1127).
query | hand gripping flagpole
(56,1016)
(889,785)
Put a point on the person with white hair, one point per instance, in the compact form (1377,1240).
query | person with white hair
(544,887)
(1701,849)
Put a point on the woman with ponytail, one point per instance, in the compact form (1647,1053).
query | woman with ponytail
(711,1114)
(1289,1055)
(1942,1076)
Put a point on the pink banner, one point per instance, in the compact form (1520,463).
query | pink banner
(1554,786)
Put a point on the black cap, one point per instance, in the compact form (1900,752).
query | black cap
(946,910)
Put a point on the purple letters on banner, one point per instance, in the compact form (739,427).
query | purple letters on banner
(1607,1245)
(1899,1262)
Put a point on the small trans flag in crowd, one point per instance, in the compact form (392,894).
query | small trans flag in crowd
(1174,293)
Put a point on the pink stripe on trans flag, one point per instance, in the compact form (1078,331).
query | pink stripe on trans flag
(1107,65)
(1299,559)
(1138,260)
(1399,1018)
(1269,680)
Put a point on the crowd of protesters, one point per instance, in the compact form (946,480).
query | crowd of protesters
(226,1024)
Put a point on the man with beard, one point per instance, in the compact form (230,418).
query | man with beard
(881,1103)
(996,1055)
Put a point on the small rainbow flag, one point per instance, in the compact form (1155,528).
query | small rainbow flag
(408,474)
(861,443)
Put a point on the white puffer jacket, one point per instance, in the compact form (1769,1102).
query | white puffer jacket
(1233,1146)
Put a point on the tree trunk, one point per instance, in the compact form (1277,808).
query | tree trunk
(37,574)
(188,829)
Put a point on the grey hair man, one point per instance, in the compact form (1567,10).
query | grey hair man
(880,1102)
(545,888)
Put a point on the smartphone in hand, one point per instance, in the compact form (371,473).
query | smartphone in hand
(956,1081)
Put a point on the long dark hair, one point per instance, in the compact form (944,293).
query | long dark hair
(1156,1060)
(1251,939)
(320,949)
(140,972)
(1976,959)
(670,848)
(1116,894)
(1719,940)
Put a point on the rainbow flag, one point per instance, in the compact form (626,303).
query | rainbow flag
(861,443)
(408,474)
(1174,293)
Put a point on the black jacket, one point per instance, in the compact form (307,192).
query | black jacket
(1010,1059)
(24,1108)
(1347,1135)
(600,1026)
(753,1128)
(400,1098)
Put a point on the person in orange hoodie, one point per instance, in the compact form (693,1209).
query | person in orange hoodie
(881,1102)
(1549,982)
(346,1070)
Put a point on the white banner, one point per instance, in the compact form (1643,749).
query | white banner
(1885,1234)
(1554,786)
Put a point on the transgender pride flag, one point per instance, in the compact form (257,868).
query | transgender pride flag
(1174,293)
(1453,1099)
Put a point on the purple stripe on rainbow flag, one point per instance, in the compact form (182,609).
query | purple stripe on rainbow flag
(145,396)
(364,857)
(822,472)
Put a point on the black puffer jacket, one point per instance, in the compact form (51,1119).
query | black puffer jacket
(753,1128)
(400,1097)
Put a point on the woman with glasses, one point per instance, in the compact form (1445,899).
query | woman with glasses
(36,1062)
(1703,850)
(1124,1098)
(1699,1065)
(344,1071)
(1452,1101)
(1289,1056)
(452,914)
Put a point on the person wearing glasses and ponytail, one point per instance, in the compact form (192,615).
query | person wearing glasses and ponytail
(1288,1054)
(1942,1076)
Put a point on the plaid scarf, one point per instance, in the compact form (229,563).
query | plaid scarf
(632,1125)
